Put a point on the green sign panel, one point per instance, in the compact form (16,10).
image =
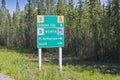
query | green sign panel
(50,31)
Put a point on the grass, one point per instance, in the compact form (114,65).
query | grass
(15,64)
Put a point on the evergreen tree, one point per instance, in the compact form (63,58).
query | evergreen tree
(4,9)
(59,7)
(4,23)
(17,7)
(42,6)
(47,8)
(1,29)
(78,36)
(3,4)
(30,29)
(51,7)
(70,27)
(16,27)
(94,19)
(38,8)
(116,24)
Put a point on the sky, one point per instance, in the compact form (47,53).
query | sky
(11,4)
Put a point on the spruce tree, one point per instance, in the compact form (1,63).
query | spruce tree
(116,24)
(30,19)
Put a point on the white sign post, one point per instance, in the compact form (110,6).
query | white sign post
(60,59)
(40,58)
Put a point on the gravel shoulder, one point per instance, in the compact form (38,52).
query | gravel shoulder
(5,77)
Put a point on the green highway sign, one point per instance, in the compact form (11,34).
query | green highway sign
(50,31)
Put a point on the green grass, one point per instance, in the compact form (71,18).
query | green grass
(15,64)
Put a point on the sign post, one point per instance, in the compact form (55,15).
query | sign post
(50,34)
(60,59)
(40,58)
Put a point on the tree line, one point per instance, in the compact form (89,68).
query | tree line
(92,29)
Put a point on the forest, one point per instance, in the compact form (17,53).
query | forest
(92,28)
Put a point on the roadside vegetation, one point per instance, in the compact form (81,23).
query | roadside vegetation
(16,64)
